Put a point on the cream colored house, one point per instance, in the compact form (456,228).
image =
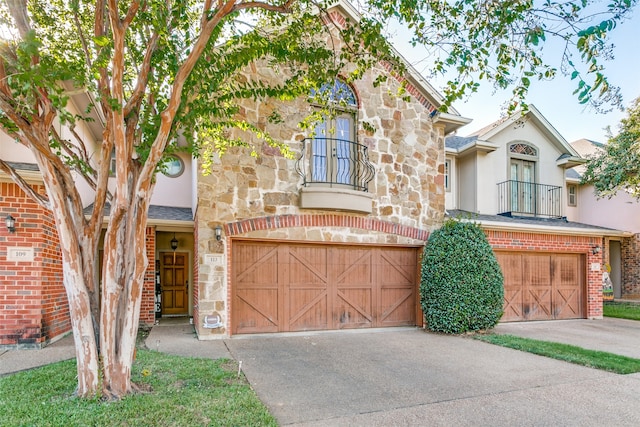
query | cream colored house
(510,177)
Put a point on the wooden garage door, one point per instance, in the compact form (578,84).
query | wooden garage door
(542,286)
(279,287)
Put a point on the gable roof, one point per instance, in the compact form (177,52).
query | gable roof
(586,146)
(481,139)
(416,85)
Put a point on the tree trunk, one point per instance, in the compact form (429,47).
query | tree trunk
(83,334)
(125,263)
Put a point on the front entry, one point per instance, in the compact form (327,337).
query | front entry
(175,283)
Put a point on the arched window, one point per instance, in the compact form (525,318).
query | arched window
(524,149)
(334,139)
(523,176)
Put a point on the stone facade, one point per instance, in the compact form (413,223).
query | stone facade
(260,197)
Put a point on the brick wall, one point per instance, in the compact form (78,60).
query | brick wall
(630,265)
(33,302)
(147,305)
(538,242)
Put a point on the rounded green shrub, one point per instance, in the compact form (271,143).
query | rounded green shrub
(462,284)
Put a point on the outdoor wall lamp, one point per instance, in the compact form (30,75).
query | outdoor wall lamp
(596,249)
(218,230)
(174,242)
(10,222)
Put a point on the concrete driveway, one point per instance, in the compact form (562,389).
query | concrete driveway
(409,377)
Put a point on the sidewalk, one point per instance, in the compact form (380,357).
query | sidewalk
(176,339)
(12,361)
(618,336)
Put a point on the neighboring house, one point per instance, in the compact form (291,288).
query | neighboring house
(620,211)
(329,239)
(33,303)
(510,178)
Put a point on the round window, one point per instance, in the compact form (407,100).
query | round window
(174,166)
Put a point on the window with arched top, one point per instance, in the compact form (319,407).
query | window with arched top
(523,176)
(522,148)
(334,167)
(334,147)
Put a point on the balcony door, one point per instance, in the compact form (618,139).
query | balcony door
(523,180)
(333,151)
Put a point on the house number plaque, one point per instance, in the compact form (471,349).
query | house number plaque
(20,254)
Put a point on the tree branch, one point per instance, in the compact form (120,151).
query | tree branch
(24,185)
(143,76)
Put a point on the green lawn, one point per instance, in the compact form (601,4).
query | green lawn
(568,353)
(180,392)
(622,310)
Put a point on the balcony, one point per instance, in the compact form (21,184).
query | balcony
(528,199)
(335,175)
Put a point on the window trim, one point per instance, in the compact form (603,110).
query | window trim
(573,195)
(170,159)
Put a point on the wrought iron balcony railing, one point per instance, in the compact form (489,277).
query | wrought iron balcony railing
(529,199)
(335,163)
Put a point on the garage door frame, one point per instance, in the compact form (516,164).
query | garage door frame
(538,302)
(283,310)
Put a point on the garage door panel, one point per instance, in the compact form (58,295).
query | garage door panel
(397,306)
(568,304)
(397,266)
(537,303)
(513,304)
(352,266)
(354,308)
(308,265)
(256,310)
(308,310)
(256,264)
(537,270)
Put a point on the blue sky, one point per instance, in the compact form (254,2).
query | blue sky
(554,98)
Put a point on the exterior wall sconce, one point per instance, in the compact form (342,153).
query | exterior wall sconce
(218,231)
(596,249)
(10,222)
(174,242)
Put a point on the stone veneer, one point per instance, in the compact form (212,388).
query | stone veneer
(406,149)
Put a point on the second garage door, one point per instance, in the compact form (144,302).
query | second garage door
(279,287)
(542,286)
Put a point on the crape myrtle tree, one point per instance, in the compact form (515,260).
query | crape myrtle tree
(159,69)
(616,166)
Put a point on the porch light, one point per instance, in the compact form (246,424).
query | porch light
(174,242)
(10,222)
(218,230)
(596,249)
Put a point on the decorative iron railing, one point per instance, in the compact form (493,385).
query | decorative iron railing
(529,199)
(335,163)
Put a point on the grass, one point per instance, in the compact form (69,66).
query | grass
(182,392)
(622,310)
(568,353)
